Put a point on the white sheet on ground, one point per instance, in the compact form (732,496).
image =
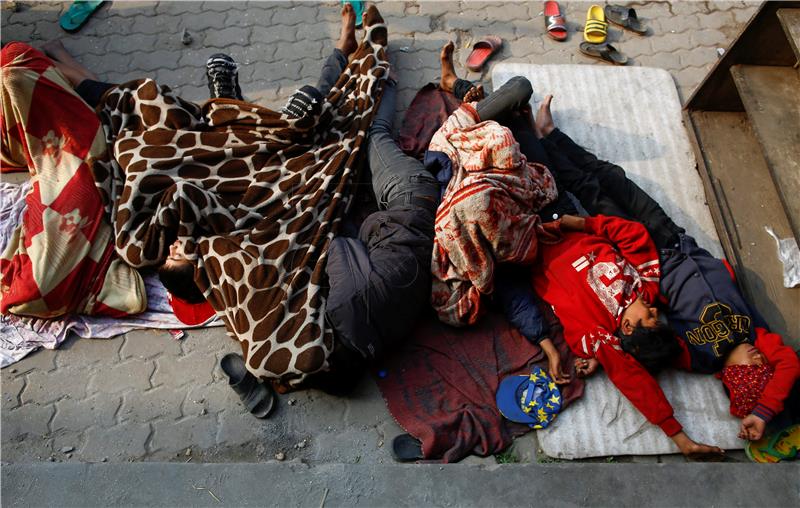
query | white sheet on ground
(632,116)
(19,335)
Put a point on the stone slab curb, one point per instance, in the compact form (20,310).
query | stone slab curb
(296,484)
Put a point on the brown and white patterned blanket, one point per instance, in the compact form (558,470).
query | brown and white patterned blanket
(255,197)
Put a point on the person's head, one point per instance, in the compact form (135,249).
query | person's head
(177,275)
(745,375)
(647,339)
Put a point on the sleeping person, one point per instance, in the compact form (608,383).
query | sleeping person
(606,280)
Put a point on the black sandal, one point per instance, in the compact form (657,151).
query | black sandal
(603,51)
(406,448)
(625,17)
(257,397)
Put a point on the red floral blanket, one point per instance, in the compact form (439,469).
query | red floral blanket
(61,258)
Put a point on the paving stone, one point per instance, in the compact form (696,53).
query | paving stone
(667,43)
(275,34)
(663,60)
(42,360)
(154,24)
(708,38)
(29,419)
(675,24)
(131,375)
(293,15)
(237,426)
(743,15)
(30,13)
(198,432)
(47,387)
(698,57)
(175,8)
(162,402)
(216,6)
(132,43)
(299,51)
(149,343)
(715,20)
(408,25)
(199,23)
(11,391)
(129,8)
(177,371)
(78,415)
(526,447)
(125,441)
(247,18)
(229,36)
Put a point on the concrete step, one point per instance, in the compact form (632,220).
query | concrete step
(790,19)
(771,97)
(296,484)
(743,199)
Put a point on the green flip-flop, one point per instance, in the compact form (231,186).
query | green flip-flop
(78,13)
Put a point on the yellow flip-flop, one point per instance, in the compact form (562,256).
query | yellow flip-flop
(596,28)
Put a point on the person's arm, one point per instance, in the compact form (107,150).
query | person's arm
(787,370)
(635,383)
(554,362)
(635,245)
(513,291)
(641,388)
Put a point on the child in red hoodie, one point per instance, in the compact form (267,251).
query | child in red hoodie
(719,332)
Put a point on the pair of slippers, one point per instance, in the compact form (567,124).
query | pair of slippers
(257,397)
(595,31)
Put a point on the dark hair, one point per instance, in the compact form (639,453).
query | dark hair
(655,348)
(178,278)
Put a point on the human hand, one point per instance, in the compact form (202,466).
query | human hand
(572,223)
(585,367)
(554,362)
(697,451)
(752,428)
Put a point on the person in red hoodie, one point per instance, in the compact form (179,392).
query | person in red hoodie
(719,333)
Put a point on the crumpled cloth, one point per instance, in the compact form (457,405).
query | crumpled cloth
(789,255)
(441,385)
(19,335)
(488,213)
(429,109)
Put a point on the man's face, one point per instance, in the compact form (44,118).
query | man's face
(745,354)
(175,256)
(638,314)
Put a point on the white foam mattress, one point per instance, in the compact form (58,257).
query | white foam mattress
(632,116)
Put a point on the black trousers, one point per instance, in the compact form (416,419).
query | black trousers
(601,186)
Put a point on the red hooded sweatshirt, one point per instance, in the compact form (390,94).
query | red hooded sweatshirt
(589,279)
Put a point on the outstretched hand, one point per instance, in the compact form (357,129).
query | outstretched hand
(752,428)
(697,451)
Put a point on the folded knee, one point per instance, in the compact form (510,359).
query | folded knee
(522,86)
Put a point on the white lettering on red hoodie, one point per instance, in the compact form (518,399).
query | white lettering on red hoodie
(589,279)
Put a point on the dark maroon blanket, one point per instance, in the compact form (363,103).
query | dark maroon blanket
(427,112)
(440,387)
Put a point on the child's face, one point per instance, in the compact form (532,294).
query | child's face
(745,354)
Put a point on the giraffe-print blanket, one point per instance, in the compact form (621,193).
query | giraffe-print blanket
(254,196)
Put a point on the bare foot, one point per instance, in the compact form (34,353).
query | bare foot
(474,94)
(544,119)
(373,17)
(347,39)
(585,367)
(448,70)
